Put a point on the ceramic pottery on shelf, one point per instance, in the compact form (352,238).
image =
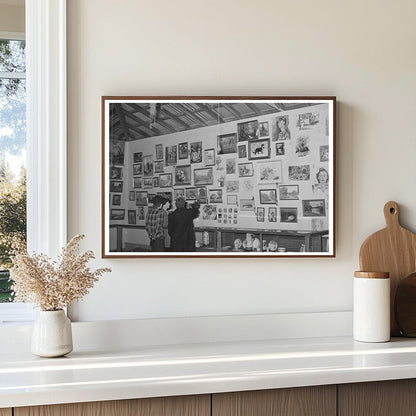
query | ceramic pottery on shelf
(52,334)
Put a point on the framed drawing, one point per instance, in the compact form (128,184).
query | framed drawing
(260,166)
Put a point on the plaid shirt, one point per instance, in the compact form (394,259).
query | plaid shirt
(156,223)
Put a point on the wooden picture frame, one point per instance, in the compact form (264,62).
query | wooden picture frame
(225,145)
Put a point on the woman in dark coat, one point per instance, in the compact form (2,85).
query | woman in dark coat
(181,226)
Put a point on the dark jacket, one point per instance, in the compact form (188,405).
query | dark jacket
(181,229)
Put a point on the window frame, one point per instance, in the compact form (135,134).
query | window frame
(46,138)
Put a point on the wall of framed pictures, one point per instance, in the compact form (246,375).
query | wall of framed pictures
(270,172)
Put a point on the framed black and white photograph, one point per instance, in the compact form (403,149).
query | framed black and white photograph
(261,166)
(259,149)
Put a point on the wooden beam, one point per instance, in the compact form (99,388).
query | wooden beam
(141,110)
(174,117)
(232,110)
(122,118)
(212,113)
(153,132)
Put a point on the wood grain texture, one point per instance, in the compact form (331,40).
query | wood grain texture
(383,398)
(393,250)
(161,406)
(405,306)
(5,412)
(300,401)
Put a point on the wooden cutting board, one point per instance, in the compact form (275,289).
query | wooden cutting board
(393,250)
(405,306)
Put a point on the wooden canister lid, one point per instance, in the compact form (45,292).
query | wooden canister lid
(372,275)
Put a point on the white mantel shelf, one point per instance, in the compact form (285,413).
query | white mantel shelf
(151,371)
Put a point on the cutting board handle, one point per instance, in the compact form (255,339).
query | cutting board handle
(391,214)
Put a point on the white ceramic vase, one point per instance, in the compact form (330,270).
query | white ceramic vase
(52,334)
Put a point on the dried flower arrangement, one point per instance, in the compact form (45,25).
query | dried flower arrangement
(53,285)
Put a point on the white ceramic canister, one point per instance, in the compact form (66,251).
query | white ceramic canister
(371,310)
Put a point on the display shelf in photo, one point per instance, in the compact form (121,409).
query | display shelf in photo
(159,166)
(116,186)
(131,216)
(190,193)
(289,215)
(203,176)
(215,196)
(272,214)
(230,166)
(116,199)
(171,155)
(196,152)
(159,151)
(178,193)
(259,149)
(183,150)
(165,180)
(280,128)
(141,198)
(117,214)
(209,157)
(148,183)
(313,207)
(148,165)
(226,143)
(138,157)
(137,182)
(299,173)
(269,172)
(260,214)
(245,169)
(288,192)
(242,151)
(138,169)
(264,129)
(116,173)
(268,196)
(280,148)
(183,175)
(307,121)
(249,130)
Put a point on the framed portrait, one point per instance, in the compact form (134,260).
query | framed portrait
(203,176)
(137,182)
(269,172)
(141,199)
(313,207)
(209,157)
(245,170)
(258,166)
(268,196)
(117,214)
(215,196)
(288,192)
(165,180)
(159,165)
(131,214)
(183,175)
(227,143)
(116,186)
(138,169)
(196,152)
(116,199)
(259,149)
(159,151)
(289,215)
(116,173)
(248,130)
(183,150)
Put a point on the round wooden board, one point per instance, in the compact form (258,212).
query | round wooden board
(405,306)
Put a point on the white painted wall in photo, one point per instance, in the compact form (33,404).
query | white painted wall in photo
(361,52)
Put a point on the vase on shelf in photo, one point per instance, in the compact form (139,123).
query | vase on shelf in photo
(52,334)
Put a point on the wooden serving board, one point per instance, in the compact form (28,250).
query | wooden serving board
(405,306)
(393,250)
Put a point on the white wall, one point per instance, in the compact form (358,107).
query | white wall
(361,51)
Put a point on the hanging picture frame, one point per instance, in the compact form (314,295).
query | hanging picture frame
(269,159)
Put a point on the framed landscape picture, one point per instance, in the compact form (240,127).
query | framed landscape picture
(245,166)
